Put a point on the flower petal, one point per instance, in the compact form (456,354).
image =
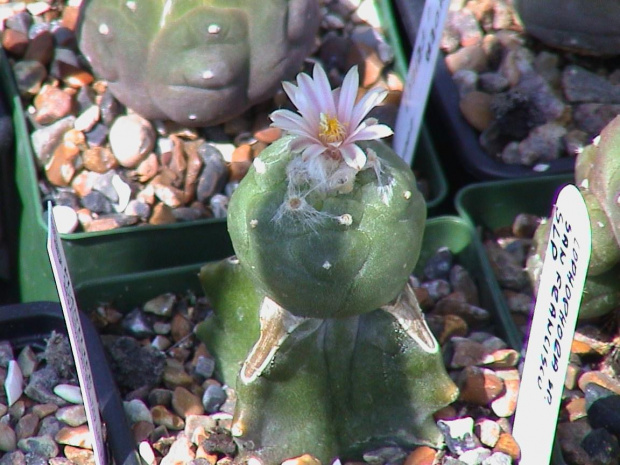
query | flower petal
(370,100)
(353,156)
(292,122)
(312,150)
(348,94)
(323,90)
(369,132)
(310,106)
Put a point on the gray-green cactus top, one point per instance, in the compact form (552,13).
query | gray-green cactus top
(196,62)
(328,255)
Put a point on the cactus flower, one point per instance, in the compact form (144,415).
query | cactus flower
(315,319)
(330,123)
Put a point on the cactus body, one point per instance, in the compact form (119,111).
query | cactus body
(343,254)
(336,387)
(196,62)
(597,174)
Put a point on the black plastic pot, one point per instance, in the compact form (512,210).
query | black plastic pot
(32,323)
(455,139)
(7,202)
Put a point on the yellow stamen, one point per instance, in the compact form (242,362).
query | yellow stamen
(331,130)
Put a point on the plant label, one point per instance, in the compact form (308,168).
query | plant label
(76,338)
(553,326)
(419,77)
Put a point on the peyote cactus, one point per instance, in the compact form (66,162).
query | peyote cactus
(316,324)
(598,177)
(196,62)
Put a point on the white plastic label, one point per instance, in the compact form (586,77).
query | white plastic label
(419,77)
(76,338)
(553,326)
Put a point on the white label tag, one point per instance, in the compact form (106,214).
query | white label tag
(419,77)
(76,337)
(553,327)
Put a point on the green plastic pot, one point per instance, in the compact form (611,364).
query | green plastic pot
(130,290)
(494,204)
(126,252)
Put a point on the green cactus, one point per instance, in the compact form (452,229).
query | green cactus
(335,387)
(328,256)
(196,62)
(597,174)
(315,322)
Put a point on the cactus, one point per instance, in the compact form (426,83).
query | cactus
(196,62)
(333,356)
(598,177)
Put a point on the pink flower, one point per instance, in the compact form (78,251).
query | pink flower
(329,122)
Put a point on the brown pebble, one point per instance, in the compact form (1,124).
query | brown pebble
(78,436)
(505,405)
(503,358)
(507,444)
(43,410)
(162,214)
(185,403)
(79,455)
(446,413)
(73,76)
(41,48)
(83,182)
(305,459)
(102,224)
(472,314)
(576,408)
(453,325)
(268,135)
(467,353)
(141,430)
(194,165)
(572,374)
(479,386)
(175,375)
(423,297)
(99,159)
(60,168)
(164,417)
(15,42)
(27,426)
(181,327)
(70,16)
(476,108)
(422,455)
(241,162)
(52,104)
(470,57)
(600,378)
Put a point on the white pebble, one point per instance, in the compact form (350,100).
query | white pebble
(131,138)
(124,193)
(14,383)
(87,120)
(66,219)
(226,149)
(69,392)
(146,452)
